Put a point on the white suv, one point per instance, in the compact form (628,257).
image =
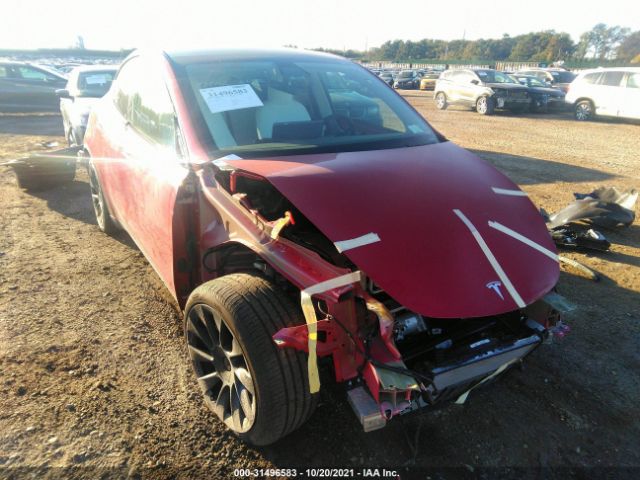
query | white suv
(612,92)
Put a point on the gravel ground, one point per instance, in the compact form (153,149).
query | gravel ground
(94,380)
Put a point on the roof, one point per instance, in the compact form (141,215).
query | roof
(611,69)
(184,57)
(95,68)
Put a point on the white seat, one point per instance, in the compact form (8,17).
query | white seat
(279,107)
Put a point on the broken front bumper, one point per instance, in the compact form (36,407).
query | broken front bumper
(451,382)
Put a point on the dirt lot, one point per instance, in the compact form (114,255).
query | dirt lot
(93,370)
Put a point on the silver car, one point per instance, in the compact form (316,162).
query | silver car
(86,85)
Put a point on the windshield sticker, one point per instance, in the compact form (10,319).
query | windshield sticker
(230,97)
(415,129)
(482,74)
(98,79)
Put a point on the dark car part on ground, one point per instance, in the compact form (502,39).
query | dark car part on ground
(43,170)
(572,236)
(605,207)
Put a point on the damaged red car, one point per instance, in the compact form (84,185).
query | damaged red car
(307,218)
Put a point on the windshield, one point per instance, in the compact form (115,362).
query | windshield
(280,107)
(530,81)
(407,74)
(493,76)
(432,75)
(563,77)
(94,83)
(534,82)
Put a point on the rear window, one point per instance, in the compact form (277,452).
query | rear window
(563,77)
(633,81)
(611,79)
(94,83)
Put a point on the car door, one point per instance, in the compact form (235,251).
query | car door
(144,171)
(457,88)
(36,88)
(630,106)
(5,86)
(468,89)
(609,93)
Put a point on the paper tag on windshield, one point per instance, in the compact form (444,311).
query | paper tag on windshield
(96,79)
(230,97)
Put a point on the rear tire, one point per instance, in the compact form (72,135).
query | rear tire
(441,101)
(584,110)
(245,311)
(485,105)
(100,208)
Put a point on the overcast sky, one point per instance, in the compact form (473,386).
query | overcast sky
(115,24)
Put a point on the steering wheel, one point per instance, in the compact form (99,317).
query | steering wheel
(339,125)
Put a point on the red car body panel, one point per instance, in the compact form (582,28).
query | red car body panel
(427,258)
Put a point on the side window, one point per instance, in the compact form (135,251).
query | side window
(29,73)
(458,77)
(125,86)
(611,79)
(591,78)
(151,111)
(633,80)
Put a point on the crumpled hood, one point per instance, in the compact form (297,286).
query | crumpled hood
(424,203)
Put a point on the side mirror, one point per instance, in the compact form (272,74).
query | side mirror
(63,93)
(475,82)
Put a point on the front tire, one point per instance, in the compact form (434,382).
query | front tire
(441,101)
(485,105)
(259,391)
(584,110)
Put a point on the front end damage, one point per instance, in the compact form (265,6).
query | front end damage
(415,292)
(396,361)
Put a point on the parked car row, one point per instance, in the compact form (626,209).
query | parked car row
(610,92)
(410,79)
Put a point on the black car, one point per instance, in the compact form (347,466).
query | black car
(387,77)
(27,87)
(543,95)
(407,80)
(483,89)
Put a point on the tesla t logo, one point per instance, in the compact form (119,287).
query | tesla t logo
(495,286)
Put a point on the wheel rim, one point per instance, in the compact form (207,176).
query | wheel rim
(221,368)
(583,111)
(440,100)
(482,105)
(96,198)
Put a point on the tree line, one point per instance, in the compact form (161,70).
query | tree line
(601,43)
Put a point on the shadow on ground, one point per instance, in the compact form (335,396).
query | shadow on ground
(73,200)
(531,171)
(32,124)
